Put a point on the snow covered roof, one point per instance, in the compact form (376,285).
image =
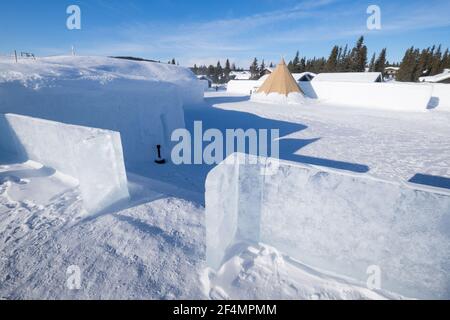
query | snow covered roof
(304,76)
(204,77)
(437,78)
(392,68)
(270,69)
(241,75)
(350,77)
(297,76)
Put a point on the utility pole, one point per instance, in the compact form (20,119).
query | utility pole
(15,55)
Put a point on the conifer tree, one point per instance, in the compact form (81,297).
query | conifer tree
(380,63)
(408,67)
(302,65)
(212,73)
(358,57)
(262,67)
(332,62)
(423,63)
(219,72)
(254,70)
(195,69)
(446,60)
(227,71)
(372,63)
(344,64)
(296,62)
(436,62)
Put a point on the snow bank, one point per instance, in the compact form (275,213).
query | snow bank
(276,98)
(246,87)
(365,77)
(334,221)
(92,156)
(141,100)
(387,96)
(44,71)
(391,96)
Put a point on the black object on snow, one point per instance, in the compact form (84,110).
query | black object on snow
(159,160)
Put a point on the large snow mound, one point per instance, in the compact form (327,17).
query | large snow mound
(133,98)
(335,221)
(92,156)
(46,72)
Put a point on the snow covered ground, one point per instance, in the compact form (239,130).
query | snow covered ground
(153,247)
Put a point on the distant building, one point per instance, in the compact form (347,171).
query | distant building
(443,77)
(240,75)
(304,76)
(391,72)
(366,77)
(267,71)
(205,78)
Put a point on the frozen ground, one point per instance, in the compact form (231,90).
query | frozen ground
(154,246)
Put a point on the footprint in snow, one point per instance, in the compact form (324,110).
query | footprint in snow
(217,293)
(13,179)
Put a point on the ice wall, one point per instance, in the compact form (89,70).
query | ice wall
(145,113)
(92,156)
(334,221)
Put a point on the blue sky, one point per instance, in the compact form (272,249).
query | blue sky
(204,31)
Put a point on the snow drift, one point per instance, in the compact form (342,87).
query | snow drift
(92,156)
(141,100)
(45,71)
(388,96)
(383,96)
(334,221)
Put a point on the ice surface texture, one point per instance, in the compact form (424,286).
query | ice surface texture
(334,221)
(141,100)
(92,156)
